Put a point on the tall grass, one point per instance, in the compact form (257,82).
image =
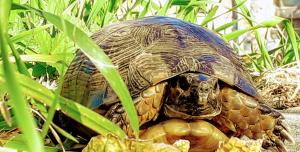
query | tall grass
(38,40)
(20,107)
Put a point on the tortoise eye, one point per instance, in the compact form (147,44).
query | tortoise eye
(183,83)
(173,82)
(216,86)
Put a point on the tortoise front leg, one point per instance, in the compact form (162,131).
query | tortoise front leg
(147,106)
(244,115)
(203,136)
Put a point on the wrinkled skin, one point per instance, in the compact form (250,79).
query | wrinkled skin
(193,96)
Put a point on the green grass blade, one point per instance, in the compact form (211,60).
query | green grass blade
(20,107)
(261,44)
(28,33)
(41,58)
(130,10)
(230,10)
(165,8)
(227,25)
(181,2)
(246,13)
(20,64)
(145,10)
(5,127)
(289,57)
(190,11)
(95,10)
(269,23)
(108,11)
(4,112)
(72,109)
(50,117)
(209,16)
(64,133)
(18,142)
(100,59)
(292,37)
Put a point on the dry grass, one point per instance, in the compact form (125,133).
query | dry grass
(6,135)
(280,86)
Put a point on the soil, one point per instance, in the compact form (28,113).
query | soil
(292,119)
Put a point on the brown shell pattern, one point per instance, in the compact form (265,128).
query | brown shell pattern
(150,50)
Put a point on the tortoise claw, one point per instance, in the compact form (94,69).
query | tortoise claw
(280,145)
(274,149)
(284,134)
(280,132)
(275,142)
(287,136)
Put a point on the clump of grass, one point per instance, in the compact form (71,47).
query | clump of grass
(20,107)
(280,86)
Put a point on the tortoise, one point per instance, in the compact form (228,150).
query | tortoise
(175,70)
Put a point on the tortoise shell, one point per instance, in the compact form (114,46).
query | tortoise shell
(149,51)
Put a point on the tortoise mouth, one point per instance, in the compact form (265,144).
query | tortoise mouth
(175,111)
(188,108)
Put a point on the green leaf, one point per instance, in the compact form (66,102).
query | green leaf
(64,133)
(181,2)
(269,23)
(227,25)
(54,58)
(145,10)
(95,10)
(50,69)
(292,37)
(4,126)
(19,142)
(78,112)
(289,56)
(246,13)
(164,9)
(209,16)
(20,107)
(99,58)
(235,34)
(20,64)
(28,33)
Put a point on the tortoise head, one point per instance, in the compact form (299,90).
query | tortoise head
(193,96)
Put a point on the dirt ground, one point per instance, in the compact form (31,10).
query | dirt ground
(292,118)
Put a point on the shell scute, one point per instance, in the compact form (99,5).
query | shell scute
(154,49)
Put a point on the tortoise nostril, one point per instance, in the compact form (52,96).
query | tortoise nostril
(194,93)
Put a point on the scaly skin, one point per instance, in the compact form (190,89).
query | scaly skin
(147,105)
(243,115)
(168,136)
(203,136)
